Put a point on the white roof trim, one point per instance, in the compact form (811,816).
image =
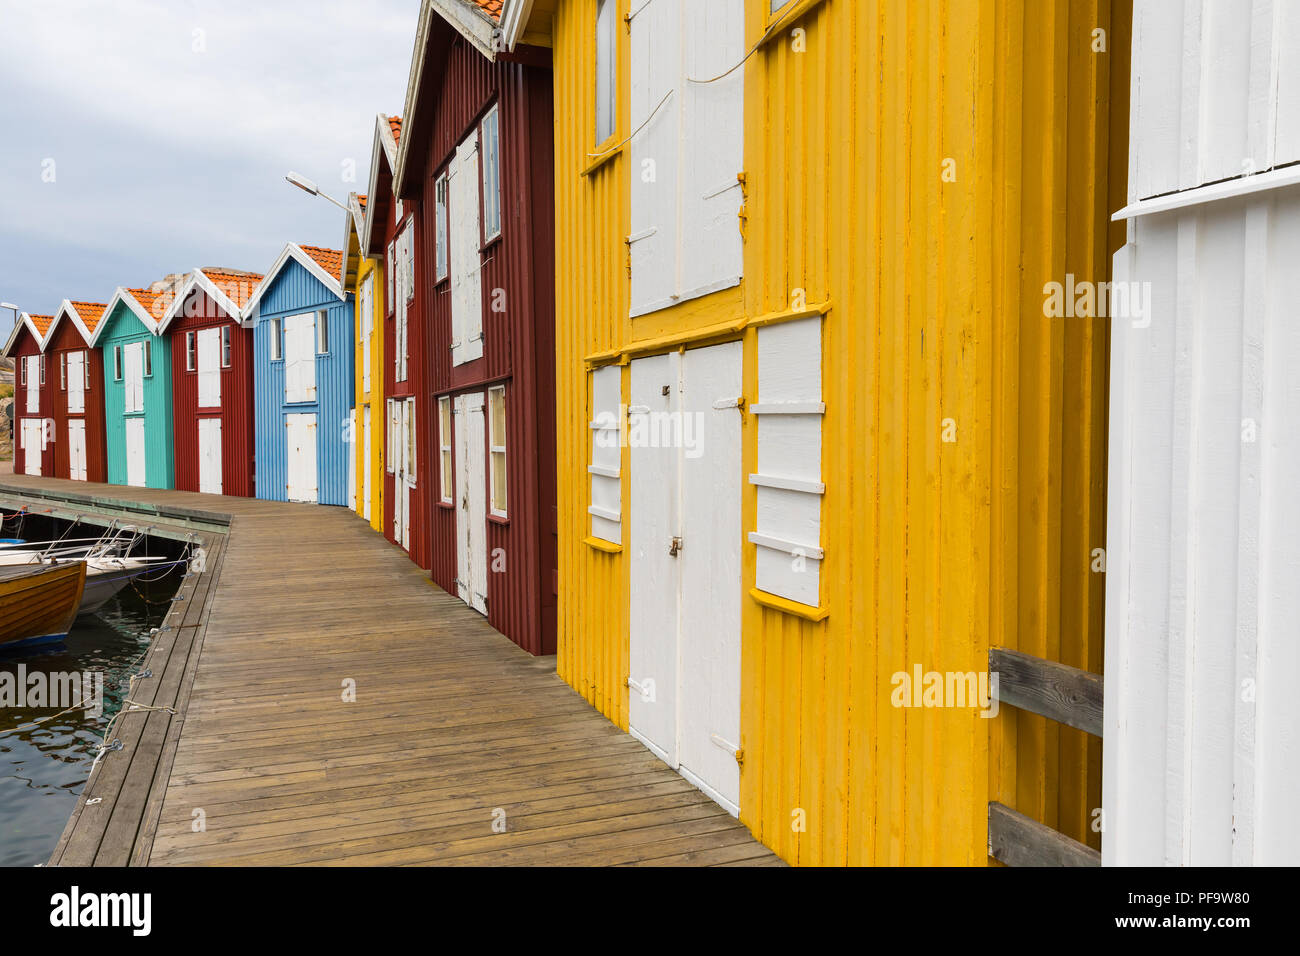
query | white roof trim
(295,252)
(383,137)
(514,18)
(76,320)
(124,296)
(1211,192)
(199,279)
(25,320)
(469,20)
(354,220)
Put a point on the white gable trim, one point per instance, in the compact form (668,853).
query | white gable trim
(24,320)
(197,279)
(67,308)
(124,296)
(354,221)
(383,138)
(291,251)
(514,17)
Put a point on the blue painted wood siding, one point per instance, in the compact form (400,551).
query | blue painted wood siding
(295,291)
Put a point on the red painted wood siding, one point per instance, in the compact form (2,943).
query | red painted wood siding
(518,342)
(236,414)
(67,339)
(23,347)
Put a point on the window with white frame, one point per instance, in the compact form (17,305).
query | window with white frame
(42,369)
(85,369)
(390,442)
(440,225)
(404,278)
(688,102)
(191,352)
(606,71)
(446,478)
(389,261)
(277,347)
(148,358)
(117,363)
(490,133)
(606,504)
(225,346)
(322,332)
(63,371)
(788,480)
(497,449)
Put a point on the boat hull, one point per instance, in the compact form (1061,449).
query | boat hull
(38,604)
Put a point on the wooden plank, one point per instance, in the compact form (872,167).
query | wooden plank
(1057,691)
(1016,840)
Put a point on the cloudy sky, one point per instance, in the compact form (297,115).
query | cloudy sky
(143,137)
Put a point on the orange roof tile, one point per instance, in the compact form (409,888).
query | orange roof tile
(361,200)
(154,303)
(42,323)
(395,124)
(237,286)
(491,7)
(331,260)
(91,313)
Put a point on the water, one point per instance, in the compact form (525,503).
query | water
(43,768)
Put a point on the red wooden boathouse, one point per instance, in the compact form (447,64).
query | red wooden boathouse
(212,381)
(475,158)
(33,402)
(74,378)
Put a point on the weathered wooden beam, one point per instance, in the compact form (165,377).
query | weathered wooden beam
(167,522)
(1063,693)
(1016,840)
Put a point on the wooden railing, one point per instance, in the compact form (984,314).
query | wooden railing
(1058,692)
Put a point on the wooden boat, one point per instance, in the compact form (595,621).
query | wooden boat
(38,603)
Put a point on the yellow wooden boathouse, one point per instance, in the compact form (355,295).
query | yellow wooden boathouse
(819,232)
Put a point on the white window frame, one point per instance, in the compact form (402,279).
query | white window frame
(322,332)
(148,359)
(41,367)
(490,173)
(117,364)
(442,265)
(497,460)
(606,70)
(63,371)
(446,473)
(277,341)
(390,445)
(225,347)
(604,468)
(191,351)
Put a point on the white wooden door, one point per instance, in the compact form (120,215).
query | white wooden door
(77,383)
(685,542)
(655,571)
(709,661)
(404,470)
(209,368)
(300,436)
(471,495)
(365,474)
(77,449)
(210,456)
(352,459)
(33,445)
(133,377)
(135,453)
(466,263)
(396,451)
(300,358)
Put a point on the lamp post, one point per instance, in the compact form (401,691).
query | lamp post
(307,186)
(12,308)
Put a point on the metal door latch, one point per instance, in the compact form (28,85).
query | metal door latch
(675,546)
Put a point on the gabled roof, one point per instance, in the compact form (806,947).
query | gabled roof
(384,145)
(36,325)
(324,264)
(353,226)
(148,306)
(84,315)
(231,291)
(478,21)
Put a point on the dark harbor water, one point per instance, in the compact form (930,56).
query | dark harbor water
(44,767)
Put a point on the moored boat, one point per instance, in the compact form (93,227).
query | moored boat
(38,603)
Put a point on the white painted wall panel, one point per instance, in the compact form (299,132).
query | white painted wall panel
(1202,724)
(606,454)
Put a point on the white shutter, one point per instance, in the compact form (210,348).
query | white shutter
(367,328)
(209,368)
(788,481)
(466,278)
(656,71)
(133,378)
(76,381)
(606,454)
(33,385)
(300,358)
(711,256)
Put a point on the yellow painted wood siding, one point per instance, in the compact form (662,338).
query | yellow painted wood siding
(374,398)
(935,550)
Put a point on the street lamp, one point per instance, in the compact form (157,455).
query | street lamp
(12,308)
(307,186)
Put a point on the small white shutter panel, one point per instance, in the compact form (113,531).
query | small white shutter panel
(209,368)
(788,481)
(76,382)
(133,376)
(300,358)
(656,70)
(466,278)
(711,254)
(33,384)
(367,328)
(606,455)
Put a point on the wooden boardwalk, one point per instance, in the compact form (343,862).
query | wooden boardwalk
(458,748)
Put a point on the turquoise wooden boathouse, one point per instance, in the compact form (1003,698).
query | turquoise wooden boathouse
(137,390)
(302,377)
